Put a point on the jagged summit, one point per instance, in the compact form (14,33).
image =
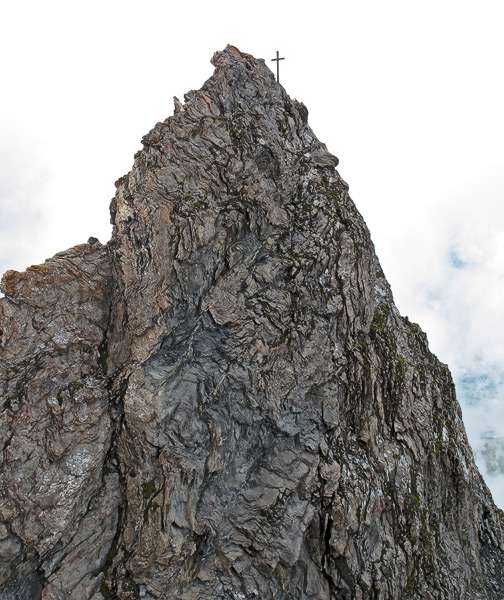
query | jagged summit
(223,401)
(239,82)
(228,145)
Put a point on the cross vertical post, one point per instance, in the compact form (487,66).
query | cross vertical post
(277,60)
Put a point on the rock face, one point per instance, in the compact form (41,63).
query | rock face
(58,497)
(224,402)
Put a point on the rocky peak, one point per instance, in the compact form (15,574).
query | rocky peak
(224,402)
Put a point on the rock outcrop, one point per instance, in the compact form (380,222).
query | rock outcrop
(223,402)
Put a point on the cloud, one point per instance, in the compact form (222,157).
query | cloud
(451,280)
(23,178)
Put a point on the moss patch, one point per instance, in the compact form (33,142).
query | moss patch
(380,320)
(148,488)
(412,503)
(104,588)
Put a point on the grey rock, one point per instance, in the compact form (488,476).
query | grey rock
(224,402)
(55,425)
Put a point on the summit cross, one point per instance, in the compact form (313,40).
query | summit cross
(277,60)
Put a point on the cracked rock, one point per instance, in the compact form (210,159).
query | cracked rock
(224,402)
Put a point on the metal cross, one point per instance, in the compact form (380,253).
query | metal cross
(277,60)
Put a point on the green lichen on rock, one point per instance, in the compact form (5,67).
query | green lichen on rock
(412,503)
(148,488)
(380,318)
(104,589)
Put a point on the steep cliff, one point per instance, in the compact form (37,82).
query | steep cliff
(224,402)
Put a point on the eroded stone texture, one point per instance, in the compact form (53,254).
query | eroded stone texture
(58,508)
(286,433)
(278,430)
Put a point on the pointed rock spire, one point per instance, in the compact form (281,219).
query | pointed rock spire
(224,402)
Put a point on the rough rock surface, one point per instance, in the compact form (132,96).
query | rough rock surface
(58,502)
(224,402)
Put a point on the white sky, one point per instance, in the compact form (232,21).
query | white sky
(409,95)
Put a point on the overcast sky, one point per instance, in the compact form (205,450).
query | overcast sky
(409,95)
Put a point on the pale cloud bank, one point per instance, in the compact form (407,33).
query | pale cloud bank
(451,280)
(22,213)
